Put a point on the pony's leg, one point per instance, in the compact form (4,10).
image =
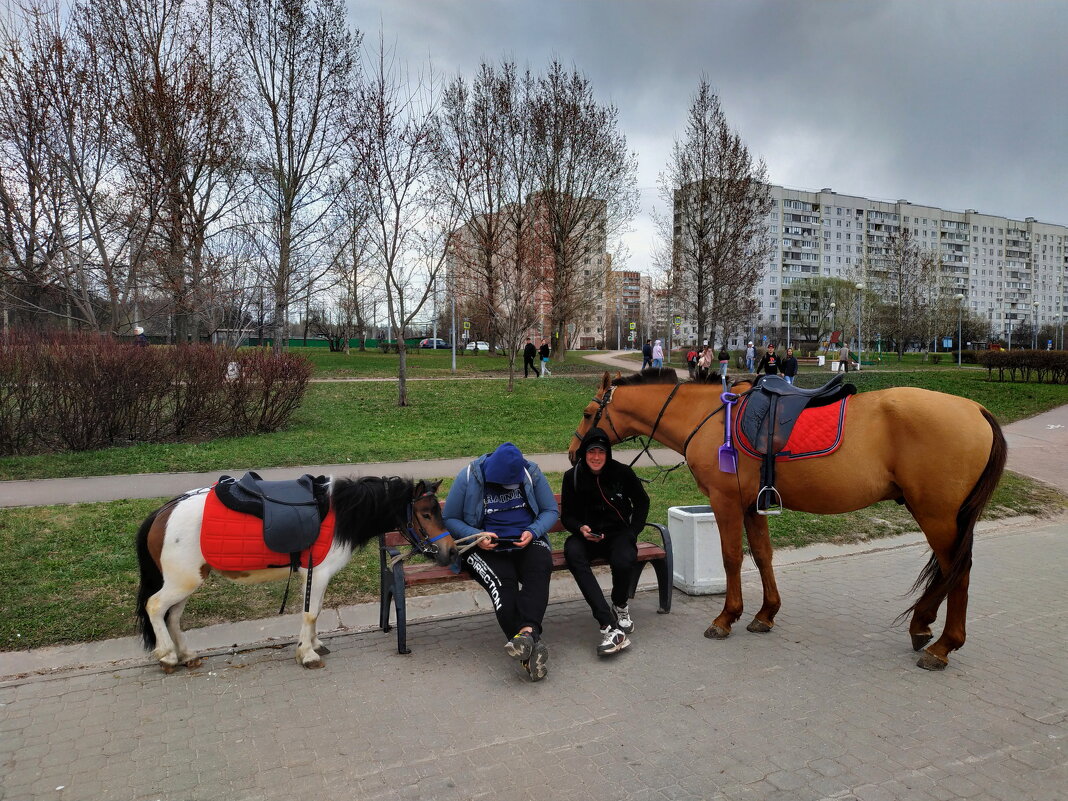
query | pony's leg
(729,521)
(941,533)
(756,529)
(186,656)
(310,648)
(172,595)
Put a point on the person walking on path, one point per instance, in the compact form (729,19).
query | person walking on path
(506,497)
(604,507)
(530,353)
(843,358)
(543,352)
(647,354)
(769,362)
(140,340)
(750,357)
(691,361)
(704,362)
(658,354)
(724,363)
(789,366)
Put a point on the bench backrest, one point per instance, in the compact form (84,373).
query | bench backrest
(394,539)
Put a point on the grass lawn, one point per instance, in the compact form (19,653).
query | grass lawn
(430,363)
(71,571)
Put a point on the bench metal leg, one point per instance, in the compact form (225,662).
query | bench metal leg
(664,581)
(402,615)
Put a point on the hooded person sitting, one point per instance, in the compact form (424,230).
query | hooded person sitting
(604,506)
(506,497)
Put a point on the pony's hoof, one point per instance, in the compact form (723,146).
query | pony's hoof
(758,626)
(318,663)
(195,662)
(715,632)
(929,661)
(322,650)
(920,640)
(168,669)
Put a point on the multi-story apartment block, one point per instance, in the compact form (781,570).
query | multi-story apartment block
(1012,271)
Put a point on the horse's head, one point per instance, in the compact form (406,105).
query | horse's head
(594,415)
(426,527)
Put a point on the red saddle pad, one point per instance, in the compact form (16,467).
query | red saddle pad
(818,432)
(233,541)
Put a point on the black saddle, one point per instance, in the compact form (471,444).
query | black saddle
(771,410)
(292,511)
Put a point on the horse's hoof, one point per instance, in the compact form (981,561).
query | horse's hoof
(929,661)
(168,669)
(318,663)
(322,650)
(920,640)
(195,662)
(758,626)
(715,632)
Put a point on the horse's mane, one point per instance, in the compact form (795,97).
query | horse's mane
(368,506)
(650,375)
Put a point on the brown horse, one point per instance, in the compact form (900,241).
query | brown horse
(940,455)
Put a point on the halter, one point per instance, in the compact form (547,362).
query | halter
(423,544)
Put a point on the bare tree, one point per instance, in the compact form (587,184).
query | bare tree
(303,65)
(720,200)
(587,190)
(816,305)
(395,144)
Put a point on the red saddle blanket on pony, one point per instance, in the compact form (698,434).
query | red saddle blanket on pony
(233,541)
(817,432)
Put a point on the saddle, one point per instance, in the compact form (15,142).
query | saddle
(292,511)
(771,410)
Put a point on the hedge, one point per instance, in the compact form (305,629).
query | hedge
(1043,366)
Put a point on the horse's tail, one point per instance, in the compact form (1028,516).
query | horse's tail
(151,581)
(936,584)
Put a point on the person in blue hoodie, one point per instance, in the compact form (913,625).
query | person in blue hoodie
(507,497)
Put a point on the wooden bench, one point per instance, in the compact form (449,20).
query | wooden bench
(394,580)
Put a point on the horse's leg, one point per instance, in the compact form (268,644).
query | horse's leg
(941,531)
(174,626)
(729,522)
(310,647)
(178,585)
(756,529)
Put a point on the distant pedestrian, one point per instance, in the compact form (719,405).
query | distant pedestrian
(843,358)
(769,362)
(750,357)
(658,354)
(704,363)
(530,353)
(789,366)
(140,340)
(543,352)
(724,363)
(691,361)
(647,354)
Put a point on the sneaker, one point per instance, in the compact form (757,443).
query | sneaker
(538,665)
(623,620)
(612,641)
(520,646)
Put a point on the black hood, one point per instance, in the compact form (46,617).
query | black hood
(593,435)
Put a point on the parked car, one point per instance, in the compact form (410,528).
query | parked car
(480,345)
(438,344)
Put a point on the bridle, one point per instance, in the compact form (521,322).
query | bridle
(420,540)
(602,411)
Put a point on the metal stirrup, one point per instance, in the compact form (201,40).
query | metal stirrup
(774,506)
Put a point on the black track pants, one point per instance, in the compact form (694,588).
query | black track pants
(621,551)
(517,581)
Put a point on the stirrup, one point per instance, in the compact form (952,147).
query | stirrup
(774,507)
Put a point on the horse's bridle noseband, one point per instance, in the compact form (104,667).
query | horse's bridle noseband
(602,411)
(423,544)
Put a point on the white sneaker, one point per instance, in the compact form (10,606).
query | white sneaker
(623,619)
(612,641)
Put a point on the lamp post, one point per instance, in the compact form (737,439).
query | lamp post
(860,338)
(1034,326)
(960,311)
(833,307)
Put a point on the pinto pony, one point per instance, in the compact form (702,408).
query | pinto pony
(939,455)
(173,566)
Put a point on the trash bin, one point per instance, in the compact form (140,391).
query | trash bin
(821,360)
(695,546)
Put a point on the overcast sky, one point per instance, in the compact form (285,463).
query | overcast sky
(959,104)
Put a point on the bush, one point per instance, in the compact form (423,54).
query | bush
(83,392)
(1041,365)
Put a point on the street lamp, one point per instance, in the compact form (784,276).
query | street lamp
(860,339)
(960,310)
(833,306)
(1034,326)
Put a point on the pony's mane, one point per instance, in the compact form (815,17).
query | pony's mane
(650,375)
(368,506)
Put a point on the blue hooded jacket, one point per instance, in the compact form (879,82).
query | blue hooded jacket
(465,508)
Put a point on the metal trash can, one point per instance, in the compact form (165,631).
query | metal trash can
(698,568)
(821,360)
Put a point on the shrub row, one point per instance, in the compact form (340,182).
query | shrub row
(82,392)
(1026,365)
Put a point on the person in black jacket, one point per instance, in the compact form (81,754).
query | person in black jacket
(647,354)
(604,506)
(530,353)
(789,366)
(769,362)
(543,352)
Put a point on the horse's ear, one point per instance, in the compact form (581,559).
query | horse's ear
(419,489)
(605,381)
(432,488)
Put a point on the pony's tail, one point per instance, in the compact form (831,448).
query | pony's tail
(936,584)
(151,581)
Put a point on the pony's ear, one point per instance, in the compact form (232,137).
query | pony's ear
(605,381)
(432,487)
(419,488)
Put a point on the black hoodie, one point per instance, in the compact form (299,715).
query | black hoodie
(613,501)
